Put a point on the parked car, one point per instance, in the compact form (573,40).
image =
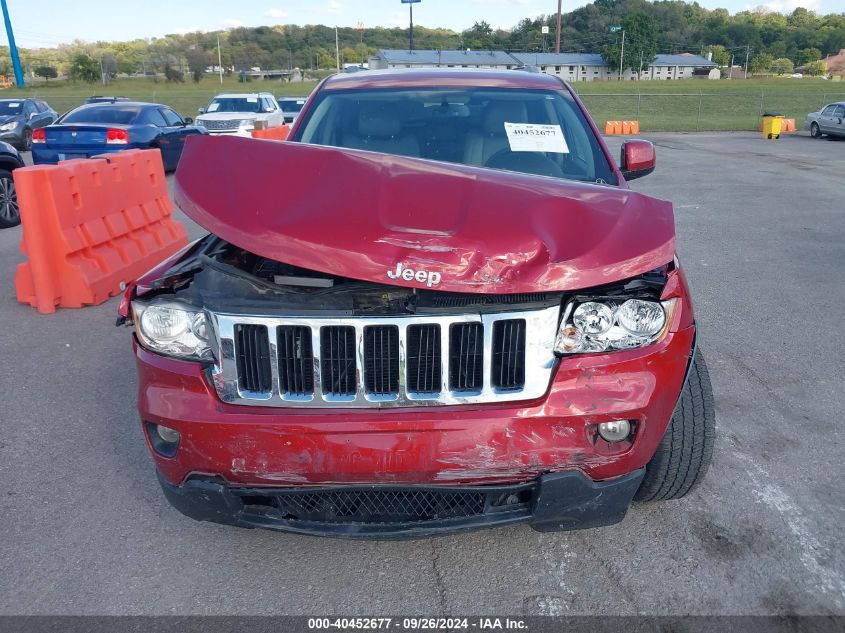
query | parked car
(19,117)
(291,106)
(99,128)
(457,314)
(237,113)
(829,120)
(10,160)
(105,99)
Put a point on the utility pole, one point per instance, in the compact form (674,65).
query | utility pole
(102,73)
(13,49)
(731,68)
(640,74)
(219,60)
(411,31)
(337,48)
(557,35)
(747,50)
(621,54)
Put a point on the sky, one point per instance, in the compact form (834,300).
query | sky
(47,23)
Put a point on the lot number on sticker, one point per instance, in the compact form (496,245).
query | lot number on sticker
(532,137)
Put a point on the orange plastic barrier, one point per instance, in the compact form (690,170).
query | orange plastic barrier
(278,133)
(788,125)
(622,127)
(613,127)
(90,226)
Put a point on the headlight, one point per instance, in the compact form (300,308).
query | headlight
(601,326)
(247,122)
(11,125)
(173,329)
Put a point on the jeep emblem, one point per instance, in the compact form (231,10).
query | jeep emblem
(409,274)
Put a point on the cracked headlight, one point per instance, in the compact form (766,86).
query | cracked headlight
(607,325)
(172,329)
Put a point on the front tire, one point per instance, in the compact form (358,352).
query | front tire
(815,131)
(9,211)
(684,454)
(26,141)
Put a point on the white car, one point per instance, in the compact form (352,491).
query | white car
(236,113)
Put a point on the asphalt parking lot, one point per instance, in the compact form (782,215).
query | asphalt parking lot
(761,228)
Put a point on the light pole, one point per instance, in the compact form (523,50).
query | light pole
(360,27)
(13,49)
(411,4)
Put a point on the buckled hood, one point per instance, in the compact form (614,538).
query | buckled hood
(373,217)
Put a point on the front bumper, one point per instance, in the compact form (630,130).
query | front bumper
(13,137)
(552,502)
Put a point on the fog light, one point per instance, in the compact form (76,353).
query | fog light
(167,434)
(615,431)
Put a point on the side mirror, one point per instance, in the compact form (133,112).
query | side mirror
(637,159)
(31,116)
(189,120)
(201,110)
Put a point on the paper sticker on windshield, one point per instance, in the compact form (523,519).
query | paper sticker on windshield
(252,99)
(15,105)
(213,107)
(532,137)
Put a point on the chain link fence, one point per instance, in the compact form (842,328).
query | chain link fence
(704,111)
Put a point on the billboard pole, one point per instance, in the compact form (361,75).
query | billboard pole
(411,4)
(13,49)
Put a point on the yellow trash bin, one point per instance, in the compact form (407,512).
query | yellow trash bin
(772,125)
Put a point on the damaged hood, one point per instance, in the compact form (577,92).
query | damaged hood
(373,217)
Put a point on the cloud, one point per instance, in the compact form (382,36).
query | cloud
(276,13)
(182,30)
(335,6)
(231,23)
(500,3)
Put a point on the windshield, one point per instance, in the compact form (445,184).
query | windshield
(119,115)
(538,132)
(11,107)
(234,104)
(291,107)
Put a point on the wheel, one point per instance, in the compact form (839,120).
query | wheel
(815,132)
(9,212)
(683,455)
(26,141)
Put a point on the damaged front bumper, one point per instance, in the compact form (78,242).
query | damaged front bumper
(552,502)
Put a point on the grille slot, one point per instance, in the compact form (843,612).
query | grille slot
(381,359)
(252,353)
(466,356)
(423,359)
(337,360)
(296,360)
(509,354)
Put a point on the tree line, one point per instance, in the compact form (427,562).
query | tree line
(773,42)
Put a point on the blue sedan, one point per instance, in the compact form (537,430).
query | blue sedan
(110,127)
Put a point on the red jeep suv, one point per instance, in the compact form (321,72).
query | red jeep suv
(438,306)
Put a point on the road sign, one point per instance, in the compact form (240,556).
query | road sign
(611,29)
(410,1)
(544,30)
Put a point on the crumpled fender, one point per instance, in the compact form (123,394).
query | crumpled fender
(360,214)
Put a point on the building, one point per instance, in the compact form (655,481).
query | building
(393,58)
(572,67)
(835,64)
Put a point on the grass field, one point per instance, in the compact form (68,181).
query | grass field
(673,106)
(693,105)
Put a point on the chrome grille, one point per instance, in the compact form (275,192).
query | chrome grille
(217,124)
(384,361)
